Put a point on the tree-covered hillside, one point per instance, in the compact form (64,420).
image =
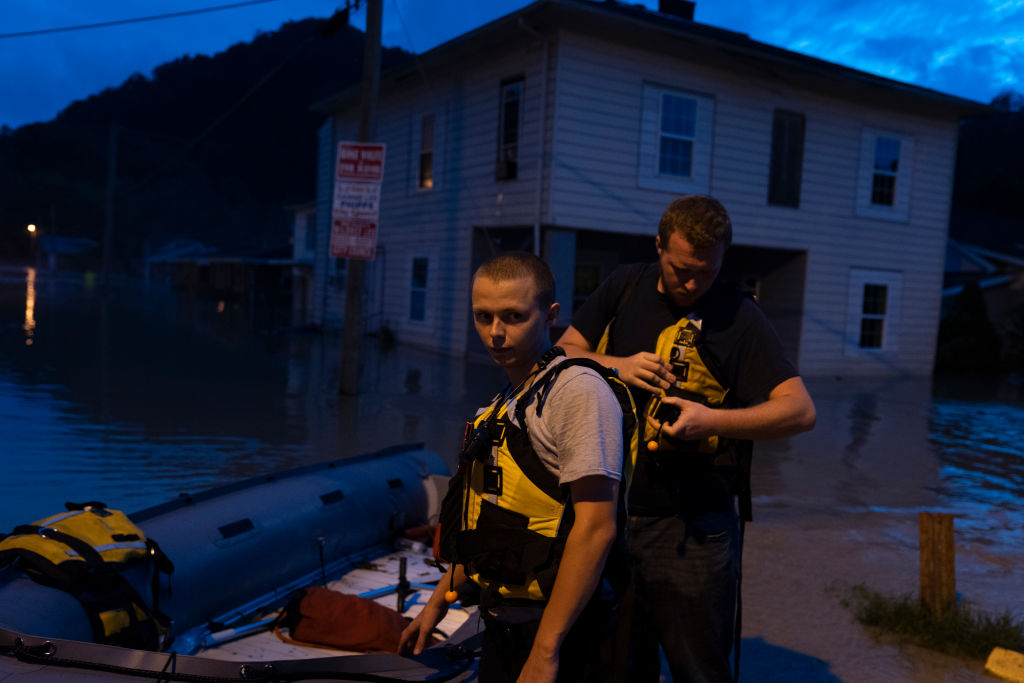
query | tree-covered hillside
(213,148)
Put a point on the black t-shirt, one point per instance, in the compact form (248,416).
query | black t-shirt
(734,331)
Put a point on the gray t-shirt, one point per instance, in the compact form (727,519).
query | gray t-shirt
(579,432)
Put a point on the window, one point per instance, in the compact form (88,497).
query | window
(418,296)
(508,129)
(873,313)
(675,140)
(678,128)
(425,178)
(887,164)
(311,232)
(786,170)
(883,188)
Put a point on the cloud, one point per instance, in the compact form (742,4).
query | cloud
(937,44)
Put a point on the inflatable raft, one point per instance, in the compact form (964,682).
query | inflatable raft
(237,551)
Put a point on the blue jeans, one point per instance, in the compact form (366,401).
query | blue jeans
(685,578)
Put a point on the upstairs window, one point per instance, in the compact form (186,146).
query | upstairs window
(786,170)
(509,119)
(425,177)
(887,166)
(675,140)
(883,184)
(678,129)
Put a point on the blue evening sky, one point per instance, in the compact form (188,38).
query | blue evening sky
(970,48)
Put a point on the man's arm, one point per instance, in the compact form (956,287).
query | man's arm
(594,502)
(789,410)
(645,370)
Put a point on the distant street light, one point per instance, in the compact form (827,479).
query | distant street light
(32,227)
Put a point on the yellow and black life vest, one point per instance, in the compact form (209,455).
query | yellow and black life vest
(506,517)
(679,345)
(698,379)
(82,551)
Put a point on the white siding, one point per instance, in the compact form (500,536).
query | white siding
(594,184)
(438,223)
(578,170)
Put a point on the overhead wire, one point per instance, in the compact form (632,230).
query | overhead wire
(135,20)
(415,54)
(184,150)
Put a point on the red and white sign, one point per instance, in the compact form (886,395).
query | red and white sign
(356,207)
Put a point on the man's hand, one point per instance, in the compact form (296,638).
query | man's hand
(694,421)
(539,668)
(645,370)
(416,636)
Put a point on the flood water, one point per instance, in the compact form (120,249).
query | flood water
(137,397)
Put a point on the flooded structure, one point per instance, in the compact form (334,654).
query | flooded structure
(567,127)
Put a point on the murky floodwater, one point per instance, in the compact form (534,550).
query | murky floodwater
(147,394)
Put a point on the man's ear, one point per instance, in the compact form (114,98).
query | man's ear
(552,316)
(657,244)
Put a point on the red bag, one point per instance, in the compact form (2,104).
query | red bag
(319,616)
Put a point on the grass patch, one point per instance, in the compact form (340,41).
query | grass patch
(961,632)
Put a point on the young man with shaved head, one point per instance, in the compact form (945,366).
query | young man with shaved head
(534,512)
(709,375)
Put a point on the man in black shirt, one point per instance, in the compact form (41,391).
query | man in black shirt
(708,375)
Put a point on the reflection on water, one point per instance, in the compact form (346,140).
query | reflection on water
(135,400)
(150,395)
(30,305)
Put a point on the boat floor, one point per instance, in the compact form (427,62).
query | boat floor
(370,576)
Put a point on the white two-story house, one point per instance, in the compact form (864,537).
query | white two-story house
(568,126)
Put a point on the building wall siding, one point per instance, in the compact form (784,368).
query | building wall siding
(594,186)
(585,145)
(438,223)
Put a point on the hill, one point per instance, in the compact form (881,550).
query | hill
(212,148)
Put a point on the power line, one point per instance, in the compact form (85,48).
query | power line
(119,22)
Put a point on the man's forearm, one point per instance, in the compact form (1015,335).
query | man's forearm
(583,559)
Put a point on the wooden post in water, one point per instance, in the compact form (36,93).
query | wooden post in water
(938,562)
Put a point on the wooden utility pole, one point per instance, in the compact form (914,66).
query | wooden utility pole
(938,562)
(108,223)
(355,275)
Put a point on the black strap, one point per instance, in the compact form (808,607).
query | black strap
(624,298)
(738,630)
(434,664)
(84,550)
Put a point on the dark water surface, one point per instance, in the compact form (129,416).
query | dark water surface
(148,394)
(137,397)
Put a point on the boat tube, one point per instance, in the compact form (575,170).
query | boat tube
(245,546)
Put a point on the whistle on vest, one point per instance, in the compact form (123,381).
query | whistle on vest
(476,444)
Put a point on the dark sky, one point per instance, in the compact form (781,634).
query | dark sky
(970,48)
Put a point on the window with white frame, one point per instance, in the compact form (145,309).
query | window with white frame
(425,176)
(883,187)
(675,140)
(418,289)
(873,311)
(509,122)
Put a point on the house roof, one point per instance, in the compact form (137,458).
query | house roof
(638,26)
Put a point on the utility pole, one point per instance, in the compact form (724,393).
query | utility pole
(355,275)
(108,223)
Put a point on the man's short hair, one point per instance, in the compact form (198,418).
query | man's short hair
(518,264)
(699,219)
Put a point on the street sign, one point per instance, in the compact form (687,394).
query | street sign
(356,207)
